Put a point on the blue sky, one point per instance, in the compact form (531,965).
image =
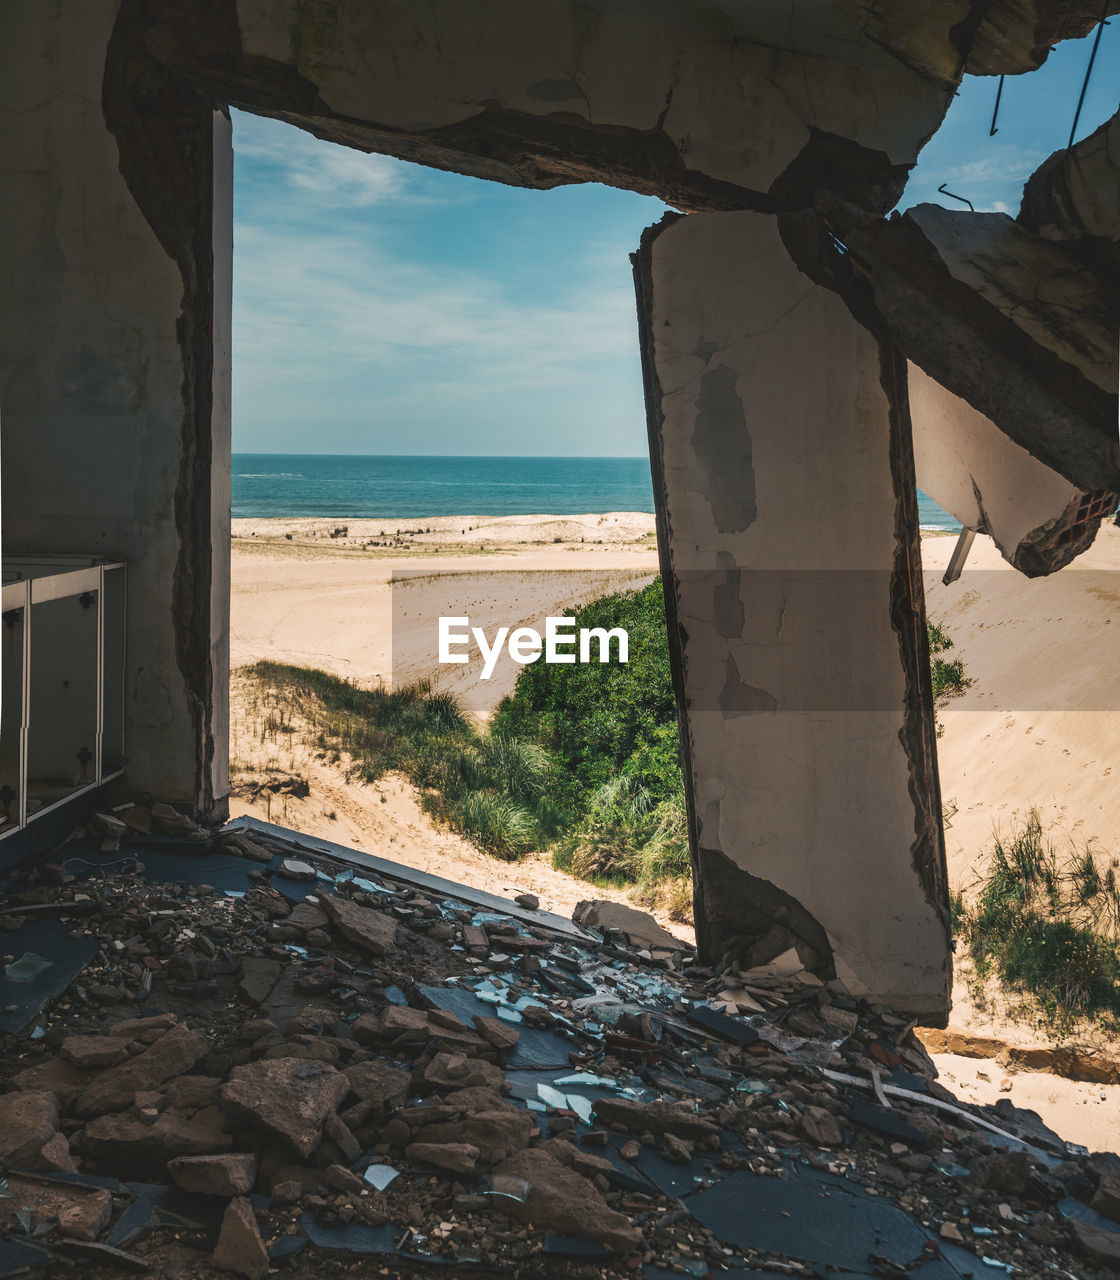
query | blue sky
(380,307)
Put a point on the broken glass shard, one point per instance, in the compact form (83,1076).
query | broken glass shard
(586,1077)
(555,1099)
(752,1086)
(28,966)
(503,1184)
(380,1175)
(581,1106)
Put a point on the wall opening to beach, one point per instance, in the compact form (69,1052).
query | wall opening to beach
(389,317)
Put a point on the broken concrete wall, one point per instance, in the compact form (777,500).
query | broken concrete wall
(98,450)
(642,96)
(991,484)
(1023,328)
(788,527)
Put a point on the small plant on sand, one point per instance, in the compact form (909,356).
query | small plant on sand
(948,678)
(491,787)
(1047,928)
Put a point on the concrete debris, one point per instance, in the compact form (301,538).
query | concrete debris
(639,926)
(289,1098)
(240,1247)
(571,1106)
(224,1175)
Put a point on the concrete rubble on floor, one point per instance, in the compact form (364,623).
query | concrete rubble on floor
(243,1069)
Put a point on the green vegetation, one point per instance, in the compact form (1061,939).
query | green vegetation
(948,678)
(612,731)
(493,789)
(1046,928)
(582,759)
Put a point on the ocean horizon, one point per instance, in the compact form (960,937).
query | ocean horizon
(283,485)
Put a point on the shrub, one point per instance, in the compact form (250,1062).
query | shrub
(1046,928)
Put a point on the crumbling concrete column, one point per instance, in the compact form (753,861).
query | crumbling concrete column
(784,477)
(106,356)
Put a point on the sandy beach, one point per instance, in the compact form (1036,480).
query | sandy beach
(1039,726)
(306,593)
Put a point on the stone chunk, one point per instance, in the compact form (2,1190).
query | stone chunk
(1106,1198)
(128,1144)
(562,1201)
(495,1134)
(457,1071)
(454,1157)
(377,1083)
(95,1051)
(307,916)
(56,1076)
(56,1155)
(1096,1244)
(28,1121)
(500,1035)
(529,901)
(339,1133)
(258,976)
(341,1179)
(240,1247)
(294,869)
(822,1128)
(676,1118)
(173,1054)
(639,926)
(371,930)
(573,1157)
(82,1213)
(289,1097)
(220,1175)
(143,1028)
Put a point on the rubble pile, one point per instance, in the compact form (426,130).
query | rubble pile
(229,1054)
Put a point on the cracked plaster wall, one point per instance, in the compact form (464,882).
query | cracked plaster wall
(92,375)
(637,94)
(782,455)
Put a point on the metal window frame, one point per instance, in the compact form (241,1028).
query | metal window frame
(39,580)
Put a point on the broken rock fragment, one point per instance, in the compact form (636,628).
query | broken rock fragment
(219,1175)
(173,1054)
(561,1200)
(371,930)
(377,1083)
(457,1071)
(639,926)
(240,1247)
(95,1051)
(28,1121)
(453,1157)
(500,1035)
(676,1118)
(126,1143)
(288,1097)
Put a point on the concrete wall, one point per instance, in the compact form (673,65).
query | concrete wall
(92,376)
(781,449)
(990,483)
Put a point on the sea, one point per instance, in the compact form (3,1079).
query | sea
(311,484)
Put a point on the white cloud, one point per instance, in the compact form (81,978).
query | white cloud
(327,301)
(330,174)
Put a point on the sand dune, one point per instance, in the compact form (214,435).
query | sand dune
(1040,726)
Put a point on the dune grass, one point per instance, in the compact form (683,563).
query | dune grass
(1046,927)
(584,760)
(487,786)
